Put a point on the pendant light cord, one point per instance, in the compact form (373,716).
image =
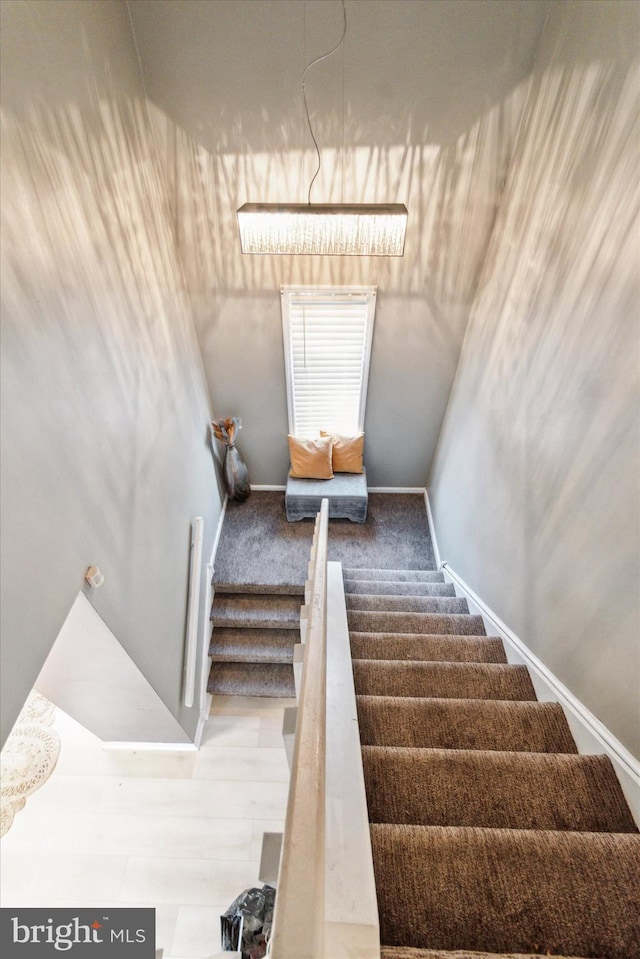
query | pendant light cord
(304,93)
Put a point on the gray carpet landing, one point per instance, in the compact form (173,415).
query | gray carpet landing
(259,548)
(261,567)
(491,836)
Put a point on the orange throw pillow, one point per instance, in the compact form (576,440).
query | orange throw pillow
(311,459)
(348,453)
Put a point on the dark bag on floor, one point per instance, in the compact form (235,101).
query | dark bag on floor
(246,925)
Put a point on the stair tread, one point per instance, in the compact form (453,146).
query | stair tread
(365,621)
(251,679)
(397,575)
(408,952)
(464,724)
(572,893)
(501,681)
(253,645)
(261,611)
(406,604)
(398,588)
(433,647)
(519,790)
(491,836)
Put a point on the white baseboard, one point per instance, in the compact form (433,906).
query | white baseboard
(153,747)
(216,538)
(205,698)
(167,747)
(371,489)
(396,489)
(591,736)
(432,529)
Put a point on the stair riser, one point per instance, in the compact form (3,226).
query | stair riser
(258,656)
(251,589)
(253,621)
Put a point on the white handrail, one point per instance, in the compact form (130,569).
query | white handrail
(298,929)
(193,609)
(351,921)
(326,906)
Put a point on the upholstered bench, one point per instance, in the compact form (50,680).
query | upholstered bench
(346,492)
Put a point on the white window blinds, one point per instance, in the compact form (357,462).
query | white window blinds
(327,342)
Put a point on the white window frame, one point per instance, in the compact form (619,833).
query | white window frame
(315,294)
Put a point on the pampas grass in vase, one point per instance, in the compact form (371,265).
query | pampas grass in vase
(234,469)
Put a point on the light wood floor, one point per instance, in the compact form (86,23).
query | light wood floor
(178,831)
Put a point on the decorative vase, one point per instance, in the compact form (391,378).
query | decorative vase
(236,474)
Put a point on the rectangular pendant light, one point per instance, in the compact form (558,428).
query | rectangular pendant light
(328,229)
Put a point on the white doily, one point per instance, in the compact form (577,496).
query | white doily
(27,760)
(7,812)
(37,709)
(28,757)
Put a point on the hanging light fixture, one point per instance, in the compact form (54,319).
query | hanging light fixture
(335,229)
(331,229)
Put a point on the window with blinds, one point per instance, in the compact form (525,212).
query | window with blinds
(327,345)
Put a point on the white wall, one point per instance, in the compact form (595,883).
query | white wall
(106,456)
(536,481)
(89,676)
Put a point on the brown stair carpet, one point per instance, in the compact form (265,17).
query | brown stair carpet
(503,790)
(436,648)
(500,890)
(463,724)
(379,677)
(377,621)
(406,952)
(491,836)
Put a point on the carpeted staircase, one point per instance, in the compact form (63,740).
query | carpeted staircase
(491,836)
(254,631)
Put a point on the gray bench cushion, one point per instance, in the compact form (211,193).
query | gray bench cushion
(346,492)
